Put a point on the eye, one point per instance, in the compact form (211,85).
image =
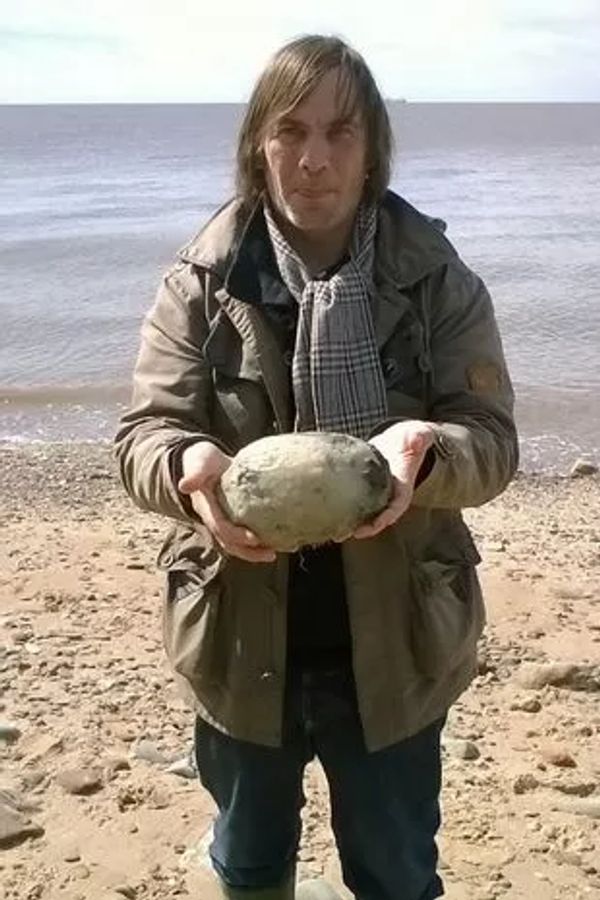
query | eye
(342,130)
(288,131)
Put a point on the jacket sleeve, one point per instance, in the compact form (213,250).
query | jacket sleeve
(471,401)
(171,402)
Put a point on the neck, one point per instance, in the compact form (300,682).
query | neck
(318,250)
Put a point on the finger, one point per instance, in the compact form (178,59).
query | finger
(205,482)
(250,554)
(396,508)
(344,537)
(189,483)
(228,532)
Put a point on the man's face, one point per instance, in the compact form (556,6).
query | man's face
(316,162)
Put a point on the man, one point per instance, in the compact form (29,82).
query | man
(318,299)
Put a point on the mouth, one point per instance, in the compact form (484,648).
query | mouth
(310,194)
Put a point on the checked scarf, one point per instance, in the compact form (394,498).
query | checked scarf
(336,371)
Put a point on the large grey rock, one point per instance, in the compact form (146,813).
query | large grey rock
(305,488)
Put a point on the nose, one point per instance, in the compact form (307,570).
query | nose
(315,154)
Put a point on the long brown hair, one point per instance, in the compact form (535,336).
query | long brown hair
(291,75)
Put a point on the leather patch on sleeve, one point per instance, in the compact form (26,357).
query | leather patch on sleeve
(484,377)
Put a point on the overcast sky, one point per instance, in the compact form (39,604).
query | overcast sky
(193,51)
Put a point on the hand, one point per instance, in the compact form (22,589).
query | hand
(404,445)
(203,465)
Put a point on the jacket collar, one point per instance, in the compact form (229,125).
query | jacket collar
(234,245)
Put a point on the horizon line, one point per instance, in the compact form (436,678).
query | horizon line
(402,100)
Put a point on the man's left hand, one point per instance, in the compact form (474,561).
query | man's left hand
(404,445)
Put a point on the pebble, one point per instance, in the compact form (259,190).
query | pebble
(80,871)
(583,467)
(581,806)
(80,781)
(126,890)
(148,752)
(16,827)
(568,857)
(33,778)
(524,783)
(570,675)
(9,733)
(117,764)
(531,705)
(159,798)
(461,749)
(558,756)
(184,767)
(574,789)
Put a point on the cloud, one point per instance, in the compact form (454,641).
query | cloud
(140,50)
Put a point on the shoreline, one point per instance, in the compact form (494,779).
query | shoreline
(543,453)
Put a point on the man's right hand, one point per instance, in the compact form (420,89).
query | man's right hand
(203,465)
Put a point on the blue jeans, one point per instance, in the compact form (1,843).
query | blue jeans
(385,809)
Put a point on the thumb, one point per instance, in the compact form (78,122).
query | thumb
(419,443)
(189,483)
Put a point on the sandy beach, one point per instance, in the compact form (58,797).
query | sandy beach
(97,798)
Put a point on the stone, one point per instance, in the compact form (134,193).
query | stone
(574,789)
(524,783)
(158,798)
(306,488)
(184,767)
(80,871)
(584,806)
(123,733)
(460,749)
(80,781)
(126,890)
(558,756)
(532,705)
(583,467)
(148,751)
(15,827)
(535,676)
(116,764)
(9,733)
(44,746)
(33,779)
(567,857)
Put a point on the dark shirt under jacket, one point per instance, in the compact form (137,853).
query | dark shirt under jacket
(318,624)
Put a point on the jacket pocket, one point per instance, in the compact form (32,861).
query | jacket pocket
(446,615)
(193,610)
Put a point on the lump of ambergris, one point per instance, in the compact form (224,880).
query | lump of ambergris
(305,488)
